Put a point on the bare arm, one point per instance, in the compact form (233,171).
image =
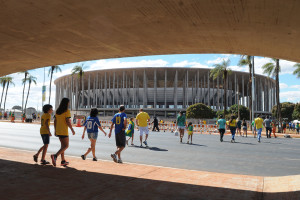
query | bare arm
(55,126)
(83,133)
(111,128)
(125,124)
(137,122)
(47,127)
(68,121)
(101,129)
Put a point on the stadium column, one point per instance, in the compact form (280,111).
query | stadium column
(114,80)
(109,91)
(218,93)
(208,87)
(72,93)
(184,91)
(165,90)
(243,91)
(82,92)
(213,93)
(235,89)
(89,91)
(175,88)
(198,85)
(204,92)
(144,90)
(105,90)
(76,93)
(133,89)
(155,89)
(94,91)
(123,88)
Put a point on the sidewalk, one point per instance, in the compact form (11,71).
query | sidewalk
(21,178)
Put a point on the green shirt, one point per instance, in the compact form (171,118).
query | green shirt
(181,120)
(191,128)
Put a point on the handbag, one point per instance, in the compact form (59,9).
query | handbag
(176,132)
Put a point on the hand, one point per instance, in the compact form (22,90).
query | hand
(73,132)
(82,136)
(109,135)
(55,133)
(105,134)
(50,134)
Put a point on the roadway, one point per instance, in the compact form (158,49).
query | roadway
(271,157)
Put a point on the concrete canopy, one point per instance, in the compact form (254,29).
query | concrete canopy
(46,32)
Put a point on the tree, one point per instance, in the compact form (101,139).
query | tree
(296,112)
(244,61)
(287,109)
(9,81)
(26,73)
(78,69)
(244,111)
(53,68)
(273,69)
(297,70)
(199,111)
(222,70)
(3,84)
(30,79)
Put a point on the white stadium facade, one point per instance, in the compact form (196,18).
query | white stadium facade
(162,91)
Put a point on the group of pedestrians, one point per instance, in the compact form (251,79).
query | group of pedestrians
(62,124)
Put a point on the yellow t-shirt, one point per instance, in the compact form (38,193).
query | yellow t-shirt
(142,118)
(45,117)
(233,123)
(259,123)
(61,124)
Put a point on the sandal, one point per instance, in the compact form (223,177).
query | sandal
(44,162)
(35,158)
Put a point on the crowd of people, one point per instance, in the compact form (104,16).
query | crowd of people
(119,122)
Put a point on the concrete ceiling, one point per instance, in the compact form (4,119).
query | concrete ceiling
(38,33)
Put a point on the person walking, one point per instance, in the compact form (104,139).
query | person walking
(284,126)
(91,125)
(130,131)
(232,127)
(297,127)
(190,133)
(222,124)
(244,125)
(142,120)
(267,125)
(155,124)
(181,124)
(61,124)
(259,125)
(274,128)
(119,122)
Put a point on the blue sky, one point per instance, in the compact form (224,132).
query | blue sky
(289,84)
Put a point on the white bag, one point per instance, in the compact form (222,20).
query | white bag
(176,132)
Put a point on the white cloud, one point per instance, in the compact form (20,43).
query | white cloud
(286,66)
(186,63)
(218,60)
(295,87)
(109,64)
(283,86)
(238,68)
(292,96)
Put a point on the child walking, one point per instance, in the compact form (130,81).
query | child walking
(45,133)
(190,133)
(61,124)
(130,131)
(91,125)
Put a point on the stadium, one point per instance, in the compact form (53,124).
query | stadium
(161,91)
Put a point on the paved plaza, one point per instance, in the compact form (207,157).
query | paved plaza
(271,157)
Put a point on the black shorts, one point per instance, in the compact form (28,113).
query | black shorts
(62,136)
(45,138)
(222,131)
(120,139)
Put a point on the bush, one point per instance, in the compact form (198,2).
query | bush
(200,111)
(287,109)
(296,112)
(244,111)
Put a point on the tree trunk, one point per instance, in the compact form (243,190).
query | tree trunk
(277,94)
(79,89)
(50,85)
(6,95)
(225,92)
(27,95)
(23,92)
(2,93)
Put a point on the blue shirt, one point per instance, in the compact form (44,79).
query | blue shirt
(118,120)
(92,124)
(221,123)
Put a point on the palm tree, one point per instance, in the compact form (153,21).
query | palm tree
(30,79)
(222,70)
(244,61)
(3,83)
(9,81)
(78,69)
(53,68)
(26,73)
(273,69)
(297,70)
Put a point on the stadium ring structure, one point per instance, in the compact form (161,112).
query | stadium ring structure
(161,91)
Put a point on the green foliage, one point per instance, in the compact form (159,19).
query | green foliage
(297,70)
(244,111)
(287,109)
(221,112)
(296,112)
(220,69)
(200,111)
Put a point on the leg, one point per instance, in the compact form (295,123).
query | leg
(191,138)
(118,152)
(44,151)
(93,145)
(39,151)
(89,149)
(132,138)
(64,145)
(146,137)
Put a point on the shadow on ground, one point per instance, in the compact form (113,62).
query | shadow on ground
(28,181)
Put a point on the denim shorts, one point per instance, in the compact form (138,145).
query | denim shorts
(93,136)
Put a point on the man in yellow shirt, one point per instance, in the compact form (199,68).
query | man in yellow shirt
(142,120)
(259,125)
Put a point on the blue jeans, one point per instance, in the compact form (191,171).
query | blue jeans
(259,133)
(232,130)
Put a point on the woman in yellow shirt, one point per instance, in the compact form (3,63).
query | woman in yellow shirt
(232,127)
(61,124)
